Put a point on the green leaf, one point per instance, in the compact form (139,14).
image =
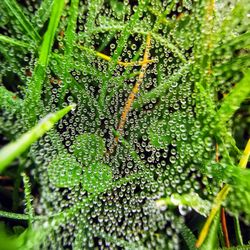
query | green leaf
(70,35)
(88,148)
(64,171)
(16,148)
(96,177)
(27,240)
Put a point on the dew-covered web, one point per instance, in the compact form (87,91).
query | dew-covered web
(146,78)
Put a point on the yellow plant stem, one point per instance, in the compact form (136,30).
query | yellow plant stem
(135,89)
(124,64)
(216,206)
(221,196)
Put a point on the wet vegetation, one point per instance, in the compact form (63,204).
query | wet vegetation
(124,124)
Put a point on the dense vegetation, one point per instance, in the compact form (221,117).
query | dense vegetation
(124,124)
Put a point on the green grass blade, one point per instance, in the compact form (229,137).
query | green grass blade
(166,43)
(160,89)
(14,215)
(12,41)
(73,84)
(28,199)
(70,35)
(43,13)
(22,19)
(188,237)
(50,33)
(93,9)
(234,99)
(35,88)
(238,230)
(14,149)
(70,38)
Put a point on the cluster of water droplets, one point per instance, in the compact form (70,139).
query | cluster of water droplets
(100,188)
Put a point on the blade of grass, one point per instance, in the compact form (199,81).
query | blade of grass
(43,13)
(13,41)
(93,9)
(238,231)
(237,42)
(70,35)
(160,89)
(50,33)
(234,99)
(23,20)
(70,38)
(188,236)
(14,215)
(245,156)
(35,88)
(16,148)
(27,192)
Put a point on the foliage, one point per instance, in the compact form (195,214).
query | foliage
(160,121)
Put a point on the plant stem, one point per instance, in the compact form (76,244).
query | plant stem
(134,91)
(224,227)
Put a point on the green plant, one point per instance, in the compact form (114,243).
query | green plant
(149,104)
